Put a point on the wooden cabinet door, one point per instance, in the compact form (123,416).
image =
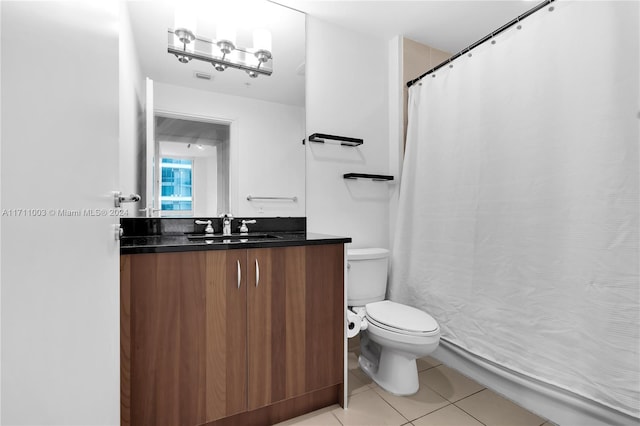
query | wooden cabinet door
(163,358)
(275,324)
(324,315)
(225,328)
(183,337)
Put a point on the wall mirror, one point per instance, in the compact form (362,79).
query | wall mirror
(223,141)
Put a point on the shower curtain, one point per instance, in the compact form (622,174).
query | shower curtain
(518,212)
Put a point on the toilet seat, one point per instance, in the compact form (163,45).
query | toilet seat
(402,319)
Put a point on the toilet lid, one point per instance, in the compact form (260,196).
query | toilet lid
(401,317)
(367,253)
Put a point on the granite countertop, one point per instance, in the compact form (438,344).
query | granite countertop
(162,235)
(182,242)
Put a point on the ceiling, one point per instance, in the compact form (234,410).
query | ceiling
(190,130)
(189,138)
(446,25)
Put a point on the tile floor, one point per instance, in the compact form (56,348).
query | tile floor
(445,398)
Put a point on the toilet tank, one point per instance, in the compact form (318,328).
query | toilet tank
(367,275)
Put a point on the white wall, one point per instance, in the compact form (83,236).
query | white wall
(132,141)
(0,223)
(205,182)
(266,145)
(396,138)
(212,182)
(347,95)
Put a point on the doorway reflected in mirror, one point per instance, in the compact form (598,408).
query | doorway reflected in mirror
(192,174)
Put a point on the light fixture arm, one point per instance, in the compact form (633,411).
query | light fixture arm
(181,57)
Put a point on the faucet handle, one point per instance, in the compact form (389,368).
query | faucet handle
(208,229)
(243,227)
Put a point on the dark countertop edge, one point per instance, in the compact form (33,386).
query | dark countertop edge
(159,226)
(316,239)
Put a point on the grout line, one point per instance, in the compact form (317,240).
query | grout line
(438,393)
(470,415)
(471,394)
(447,399)
(517,405)
(427,369)
(430,368)
(465,411)
(389,404)
(336,417)
(448,405)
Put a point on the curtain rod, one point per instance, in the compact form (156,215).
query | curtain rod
(482,40)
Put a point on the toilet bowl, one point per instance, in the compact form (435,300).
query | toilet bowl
(402,334)
(396,334)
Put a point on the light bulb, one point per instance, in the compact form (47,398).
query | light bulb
(226,35)
(262,45)
(185,23)
(262,39)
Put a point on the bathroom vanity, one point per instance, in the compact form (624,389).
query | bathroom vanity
(236,331)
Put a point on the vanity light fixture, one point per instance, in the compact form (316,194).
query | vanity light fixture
(184,32)
(223,52)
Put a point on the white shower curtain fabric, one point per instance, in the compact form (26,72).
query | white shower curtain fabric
(518,213)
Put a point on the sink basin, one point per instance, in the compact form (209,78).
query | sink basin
(230,238)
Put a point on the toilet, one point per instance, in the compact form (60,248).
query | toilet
(394,334)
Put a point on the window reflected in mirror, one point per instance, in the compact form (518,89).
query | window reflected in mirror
(176,195)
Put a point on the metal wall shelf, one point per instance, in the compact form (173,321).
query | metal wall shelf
(367,176)
(344,141)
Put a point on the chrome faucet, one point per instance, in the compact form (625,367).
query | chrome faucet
(226,224)
(149,211)
(208,229)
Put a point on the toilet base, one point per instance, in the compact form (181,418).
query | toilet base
(393,370)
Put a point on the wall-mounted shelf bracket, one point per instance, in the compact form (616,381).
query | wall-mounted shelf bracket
(345,141)
(367,176)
